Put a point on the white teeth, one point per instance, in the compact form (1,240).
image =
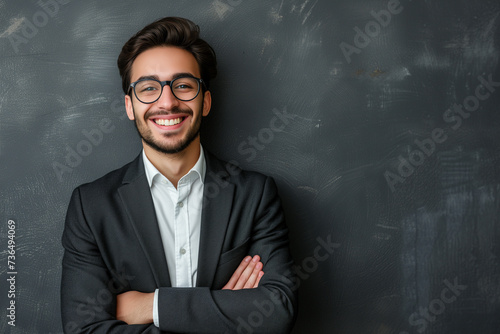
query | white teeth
(168,122)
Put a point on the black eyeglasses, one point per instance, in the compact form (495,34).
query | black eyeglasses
(184,88)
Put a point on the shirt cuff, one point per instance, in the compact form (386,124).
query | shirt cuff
(155,310)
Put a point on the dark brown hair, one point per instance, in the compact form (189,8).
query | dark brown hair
(168,31)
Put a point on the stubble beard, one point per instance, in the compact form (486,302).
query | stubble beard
(147,136)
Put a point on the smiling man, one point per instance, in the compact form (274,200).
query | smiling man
(148,247)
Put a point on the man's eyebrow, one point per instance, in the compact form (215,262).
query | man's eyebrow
(175,75)
(182,74)
(144,77)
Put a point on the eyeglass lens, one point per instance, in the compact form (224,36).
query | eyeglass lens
(184,89)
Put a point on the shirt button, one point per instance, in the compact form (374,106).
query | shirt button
(183,251)
(180,204)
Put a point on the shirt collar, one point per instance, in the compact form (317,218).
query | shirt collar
(199,168)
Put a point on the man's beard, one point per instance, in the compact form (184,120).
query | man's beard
(146,135)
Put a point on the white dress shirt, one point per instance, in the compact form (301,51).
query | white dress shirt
(178,212)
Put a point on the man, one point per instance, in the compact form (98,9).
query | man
(176,241)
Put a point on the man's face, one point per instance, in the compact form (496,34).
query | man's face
(167,63)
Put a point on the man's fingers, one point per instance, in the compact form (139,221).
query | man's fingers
(247,273)
(250,283)
(261,273)
(236,275)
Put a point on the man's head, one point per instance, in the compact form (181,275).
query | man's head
(169,31)
(164,51)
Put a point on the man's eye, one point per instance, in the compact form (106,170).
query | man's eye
(183,86)
(148,88)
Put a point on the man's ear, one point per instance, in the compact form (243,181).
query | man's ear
(207,103)
(129,107)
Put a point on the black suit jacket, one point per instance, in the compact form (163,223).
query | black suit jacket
(112,244)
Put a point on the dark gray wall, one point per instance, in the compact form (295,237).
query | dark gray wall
(371,160)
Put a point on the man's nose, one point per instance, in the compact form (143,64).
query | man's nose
(167,99)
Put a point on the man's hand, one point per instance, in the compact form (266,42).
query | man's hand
(247,275)
(135,307)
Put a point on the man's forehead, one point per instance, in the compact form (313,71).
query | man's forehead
(164,62)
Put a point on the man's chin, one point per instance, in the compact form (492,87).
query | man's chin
(170,148)
(166,149)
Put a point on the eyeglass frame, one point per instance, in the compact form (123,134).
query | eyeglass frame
(169,83)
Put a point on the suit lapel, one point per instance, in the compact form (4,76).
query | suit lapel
(138,204)
(217,202)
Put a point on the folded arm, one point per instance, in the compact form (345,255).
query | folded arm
(135,308)
(89,289)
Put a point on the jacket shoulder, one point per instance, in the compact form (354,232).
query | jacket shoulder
(114,179)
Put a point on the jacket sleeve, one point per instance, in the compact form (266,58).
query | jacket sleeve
(270,308)
(88,288)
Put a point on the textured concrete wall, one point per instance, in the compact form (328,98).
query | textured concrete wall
(386,157)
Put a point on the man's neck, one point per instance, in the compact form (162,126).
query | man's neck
(176,165)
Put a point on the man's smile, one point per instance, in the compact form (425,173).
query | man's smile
(169,122)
